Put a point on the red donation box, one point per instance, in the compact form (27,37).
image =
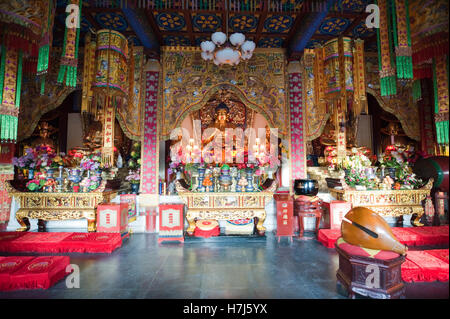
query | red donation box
(171,225)
(112,218)
(337,210)
(285,215)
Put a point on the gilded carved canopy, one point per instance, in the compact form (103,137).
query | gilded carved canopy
(189,82)
(402,105)
(33,105)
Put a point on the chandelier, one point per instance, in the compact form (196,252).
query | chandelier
(221,52)
(231,52)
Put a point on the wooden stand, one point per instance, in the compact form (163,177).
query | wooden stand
(352,275)
(303,209)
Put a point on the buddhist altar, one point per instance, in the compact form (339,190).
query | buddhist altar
(59,206)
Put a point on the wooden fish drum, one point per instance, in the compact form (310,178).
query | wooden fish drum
(435,167)
(111,75)
(365,228)
(333,67)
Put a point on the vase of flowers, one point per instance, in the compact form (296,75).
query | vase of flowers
(27,162)
(134,177)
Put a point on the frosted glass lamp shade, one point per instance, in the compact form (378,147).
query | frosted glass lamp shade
(207,46)
(207,56)
(227,56)
(248,46)
(237,39)
(246,56)
(219,38)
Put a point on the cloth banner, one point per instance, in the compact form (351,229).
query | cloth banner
(108,131)
(440,72)
(149,172)
(69,58)
(10,89)
(129,115)
(388,83)
(5,200)
(298,149)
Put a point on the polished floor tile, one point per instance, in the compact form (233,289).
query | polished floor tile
(237,268)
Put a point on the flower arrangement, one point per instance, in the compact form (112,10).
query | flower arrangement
(358,162)
(91,162)
(134,177)
(35,184)
(135,156)
(406,178)
(355,167)
(27,161)
(73,158)
(90,183)
(391,158)
(268,160)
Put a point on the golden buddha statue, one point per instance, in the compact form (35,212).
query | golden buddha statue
(45,131)
(221,122)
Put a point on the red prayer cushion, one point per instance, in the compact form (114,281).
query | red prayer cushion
(365,252)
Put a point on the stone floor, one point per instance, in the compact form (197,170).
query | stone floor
(222,268)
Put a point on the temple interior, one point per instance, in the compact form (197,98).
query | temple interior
(224,149)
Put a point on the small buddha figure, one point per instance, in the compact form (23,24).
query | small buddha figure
(221,123)
(45,131)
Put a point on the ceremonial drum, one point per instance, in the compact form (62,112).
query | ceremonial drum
(435,167)
(333,67)
(111,63)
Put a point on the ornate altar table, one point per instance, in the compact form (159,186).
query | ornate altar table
(59,206)
(226,206)
(392,203)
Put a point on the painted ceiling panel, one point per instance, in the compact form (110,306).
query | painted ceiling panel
(270,42)
(112,20)
(278,23)
(333,26)
(206,22)
(243,22)
(170,21)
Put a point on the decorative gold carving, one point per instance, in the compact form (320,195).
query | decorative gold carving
(58,206)
(226,206)
(393,203)
(188,83)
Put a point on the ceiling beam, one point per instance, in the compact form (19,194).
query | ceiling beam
(190,30)
(138,20)
(356,21)
(91,20)
(262,19)
(313,20)
(154,26)
(298,19)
